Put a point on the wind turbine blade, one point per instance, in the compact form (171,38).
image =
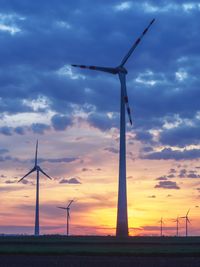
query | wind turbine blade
(45,173)
(61,208)
(135,44)
(70,203)
(187,212)
(105,69)
(27,174)
(36,152)
(122,78)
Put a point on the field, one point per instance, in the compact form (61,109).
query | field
(99,251)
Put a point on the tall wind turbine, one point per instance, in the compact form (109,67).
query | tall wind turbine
(36,169)
(186,222)
(120,70)
(68,215)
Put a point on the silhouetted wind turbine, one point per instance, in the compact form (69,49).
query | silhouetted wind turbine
(161,226)
(68,215)
(38,170)
(186,222)
(122,218)
(177,224)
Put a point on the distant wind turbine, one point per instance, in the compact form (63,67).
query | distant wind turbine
(68,214)
(161,226)
(122,217)
(186,222)
(177,225)
(38,170)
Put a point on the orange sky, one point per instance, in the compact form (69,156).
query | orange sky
(94,211)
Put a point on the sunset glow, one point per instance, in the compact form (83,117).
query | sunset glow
(75,116)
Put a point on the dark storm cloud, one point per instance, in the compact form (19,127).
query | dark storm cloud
(167,185)
(163,73)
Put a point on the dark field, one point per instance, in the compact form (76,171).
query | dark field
(99,251)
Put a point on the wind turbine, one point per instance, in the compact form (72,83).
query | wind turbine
(177,225)
(120,70)
(161,226)
(186,222)
(68,215)
(38,170)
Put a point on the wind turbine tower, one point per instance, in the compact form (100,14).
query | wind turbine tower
(177,225)
(161,226)
(121,71)
(68,214)
(36,169)
(186,222)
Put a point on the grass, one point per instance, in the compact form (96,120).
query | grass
(96,245)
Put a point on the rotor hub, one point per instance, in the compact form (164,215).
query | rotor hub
(122,70)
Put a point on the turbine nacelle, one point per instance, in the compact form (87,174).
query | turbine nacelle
(121,69)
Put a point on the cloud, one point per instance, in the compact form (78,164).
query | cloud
(39,128)
(69,181)
(58,160)
(167,185)
(112,150)
(19,130)
(3,150)
(193,175)
(10,181)
(169,154)
(5,130)
(162,178)
(181,135)
(172,170)
(144,136)
(152,196)
(102,121)
(171,176)
(86,170)
(61,122)
(182,173)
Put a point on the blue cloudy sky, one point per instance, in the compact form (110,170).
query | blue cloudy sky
(75,113)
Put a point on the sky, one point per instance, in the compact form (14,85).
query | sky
(74,113)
